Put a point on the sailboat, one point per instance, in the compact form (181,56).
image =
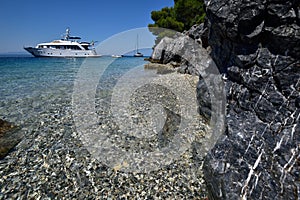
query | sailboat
(137,54)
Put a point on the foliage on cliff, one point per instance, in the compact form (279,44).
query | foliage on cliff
(182,16)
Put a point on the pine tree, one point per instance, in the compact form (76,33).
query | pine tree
(182,16)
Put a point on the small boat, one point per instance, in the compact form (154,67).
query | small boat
(69,46)
(116,56)
(137,53)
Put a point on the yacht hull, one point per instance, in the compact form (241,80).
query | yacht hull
(47,52)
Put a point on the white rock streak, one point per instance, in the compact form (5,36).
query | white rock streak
(244,191)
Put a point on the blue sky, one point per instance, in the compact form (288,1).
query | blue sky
(26,23)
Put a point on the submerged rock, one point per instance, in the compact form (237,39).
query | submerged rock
(8,138)
(5,126)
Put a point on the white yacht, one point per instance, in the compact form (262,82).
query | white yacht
(69,46)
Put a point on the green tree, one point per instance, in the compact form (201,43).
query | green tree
(166,18)
(182,16)
(189,12)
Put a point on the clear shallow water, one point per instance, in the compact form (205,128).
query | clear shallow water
(32,87)
(52,161)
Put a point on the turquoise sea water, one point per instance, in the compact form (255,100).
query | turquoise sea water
(31,88)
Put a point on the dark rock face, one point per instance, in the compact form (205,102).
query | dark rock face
(257,45)
(199,33)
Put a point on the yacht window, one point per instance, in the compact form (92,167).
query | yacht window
(75,47)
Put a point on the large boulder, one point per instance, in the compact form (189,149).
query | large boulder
(176,49)
(256,44)
(170,49)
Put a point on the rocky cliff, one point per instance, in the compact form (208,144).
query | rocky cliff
(256,46)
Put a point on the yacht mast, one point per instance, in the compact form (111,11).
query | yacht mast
(137,43)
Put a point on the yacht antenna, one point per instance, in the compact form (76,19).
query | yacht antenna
(67,34)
